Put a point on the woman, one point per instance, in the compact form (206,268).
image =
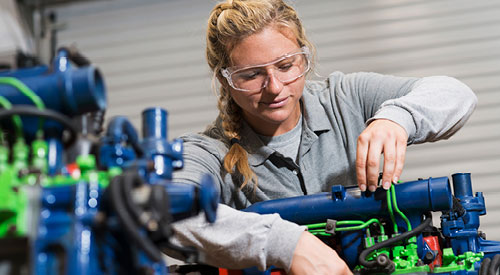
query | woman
(278,135)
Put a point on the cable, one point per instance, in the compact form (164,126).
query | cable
(394,201)
(407,234)
(361,226)
(318,228)
(17,120)
(391,212)
(485,265)
(130,227)
(25,90)
(494,266)
(28,110)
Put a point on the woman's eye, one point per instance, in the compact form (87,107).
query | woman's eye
(285,67)
(250,75)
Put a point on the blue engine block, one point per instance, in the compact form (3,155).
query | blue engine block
(462,248)
(105,210)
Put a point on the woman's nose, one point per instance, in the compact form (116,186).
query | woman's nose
(274,85)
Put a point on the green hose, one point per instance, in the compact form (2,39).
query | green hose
(408,224)
(17,120)
(25,90)
(391,213)
(319,227)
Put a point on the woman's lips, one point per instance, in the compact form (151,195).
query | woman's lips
(277,103)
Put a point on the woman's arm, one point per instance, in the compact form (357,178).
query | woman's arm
(433,108)
(239,239)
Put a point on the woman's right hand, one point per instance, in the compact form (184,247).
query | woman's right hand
(312,256)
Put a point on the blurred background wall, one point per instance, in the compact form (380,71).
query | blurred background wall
(151,53)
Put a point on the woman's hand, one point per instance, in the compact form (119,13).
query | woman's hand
(386,137)
(312,256)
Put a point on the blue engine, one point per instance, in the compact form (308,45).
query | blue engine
(75,201)
(391,232)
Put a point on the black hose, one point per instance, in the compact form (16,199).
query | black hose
(457,207)
(417,230)
(495,264)
(159,203)
(130,227)
(97,120)
(28,110)
(485,265)
(159,208)
(130,180)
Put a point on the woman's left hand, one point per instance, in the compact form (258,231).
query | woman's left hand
(386,137)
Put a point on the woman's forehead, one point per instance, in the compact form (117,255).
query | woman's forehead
(263,47)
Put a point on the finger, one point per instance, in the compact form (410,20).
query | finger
(389,163)
(400,160)
(373,164)
(361,153)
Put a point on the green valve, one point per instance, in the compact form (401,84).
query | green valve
(86,163)
(369,241)
(382,238)
(461,262)
(4,158)
(21,208)
(11,202)
(20,155)
(39,149)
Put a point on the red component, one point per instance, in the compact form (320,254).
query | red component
(433,243)
(73,170)
(223,271)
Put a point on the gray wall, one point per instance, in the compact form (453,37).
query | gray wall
(152,54)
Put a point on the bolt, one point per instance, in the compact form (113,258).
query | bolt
(152,225)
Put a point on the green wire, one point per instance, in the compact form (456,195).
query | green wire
(391,213)
(349,222)
(322,225)
(17,120)
(316,225)
(321,234)
(316,230)
(25,90)
(393,191)
(363,225)
(319,227)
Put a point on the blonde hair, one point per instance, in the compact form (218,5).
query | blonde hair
(229,23)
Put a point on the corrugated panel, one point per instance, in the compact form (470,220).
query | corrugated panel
(152,54)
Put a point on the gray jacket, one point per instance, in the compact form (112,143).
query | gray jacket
(335,112)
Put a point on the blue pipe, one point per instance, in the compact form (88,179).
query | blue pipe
(71,91)
(166,156)
(349,203)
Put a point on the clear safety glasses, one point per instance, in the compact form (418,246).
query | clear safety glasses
(254,78)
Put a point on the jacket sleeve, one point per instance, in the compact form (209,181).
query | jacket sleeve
(429,108)
(435,108)
(237,239)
